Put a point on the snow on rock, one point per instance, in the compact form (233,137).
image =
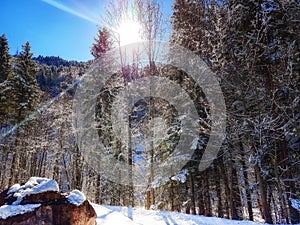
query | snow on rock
(34,185)
(13,210)
(40,200)
(295,203)
(76,197)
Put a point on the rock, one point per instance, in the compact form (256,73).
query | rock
(49,197)
(39,202)
(6,199)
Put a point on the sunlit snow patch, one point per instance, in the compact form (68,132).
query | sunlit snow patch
(111,215)
(13,210)
(76,197)
(295,203)
(35,185)
(181,176)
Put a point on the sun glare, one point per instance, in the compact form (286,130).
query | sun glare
(129,32)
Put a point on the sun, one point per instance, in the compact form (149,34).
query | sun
(129,32)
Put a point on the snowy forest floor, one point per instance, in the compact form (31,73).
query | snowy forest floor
(110,215)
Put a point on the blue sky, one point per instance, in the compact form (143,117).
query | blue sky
(64,28)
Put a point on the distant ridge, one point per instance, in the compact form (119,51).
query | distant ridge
(56,61)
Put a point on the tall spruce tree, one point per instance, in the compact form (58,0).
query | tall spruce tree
(24,89)
(5,72)
(5,64)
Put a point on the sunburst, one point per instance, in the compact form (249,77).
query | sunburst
(129,32)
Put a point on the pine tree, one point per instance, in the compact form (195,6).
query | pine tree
(103,43)
(5,72)
(5,64)
(24,89)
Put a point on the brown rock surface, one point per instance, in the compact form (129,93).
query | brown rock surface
(5,198)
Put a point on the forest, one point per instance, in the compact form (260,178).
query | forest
(253,49)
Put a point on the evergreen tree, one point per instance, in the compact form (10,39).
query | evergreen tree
(5,66)
(23,83)
(103,43)
(5,71)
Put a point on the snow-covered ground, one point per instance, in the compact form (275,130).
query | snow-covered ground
(111,215)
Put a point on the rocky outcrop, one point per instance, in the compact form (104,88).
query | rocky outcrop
(40,202)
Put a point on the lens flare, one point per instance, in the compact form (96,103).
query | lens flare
(129,32)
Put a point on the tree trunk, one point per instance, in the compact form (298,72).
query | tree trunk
(235,195)
(218,174)
(152,196)
(289,185)
(281,196)
(227,197)
(98,188)
(187,208)
(78,169)
(148,200)
(265,209)
(193,203)
(200,198)
(247,189)
(207,203)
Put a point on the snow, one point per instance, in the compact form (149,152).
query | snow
(181,176)
(295,203)
(76,197)
(111,215)
(195,143)
(34,185)
(12,210)
(159,181)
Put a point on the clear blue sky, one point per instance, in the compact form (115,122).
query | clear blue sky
(64,28)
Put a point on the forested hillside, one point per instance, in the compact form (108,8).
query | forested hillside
(252,47)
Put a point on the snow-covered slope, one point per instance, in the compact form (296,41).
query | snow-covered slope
(111,215)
